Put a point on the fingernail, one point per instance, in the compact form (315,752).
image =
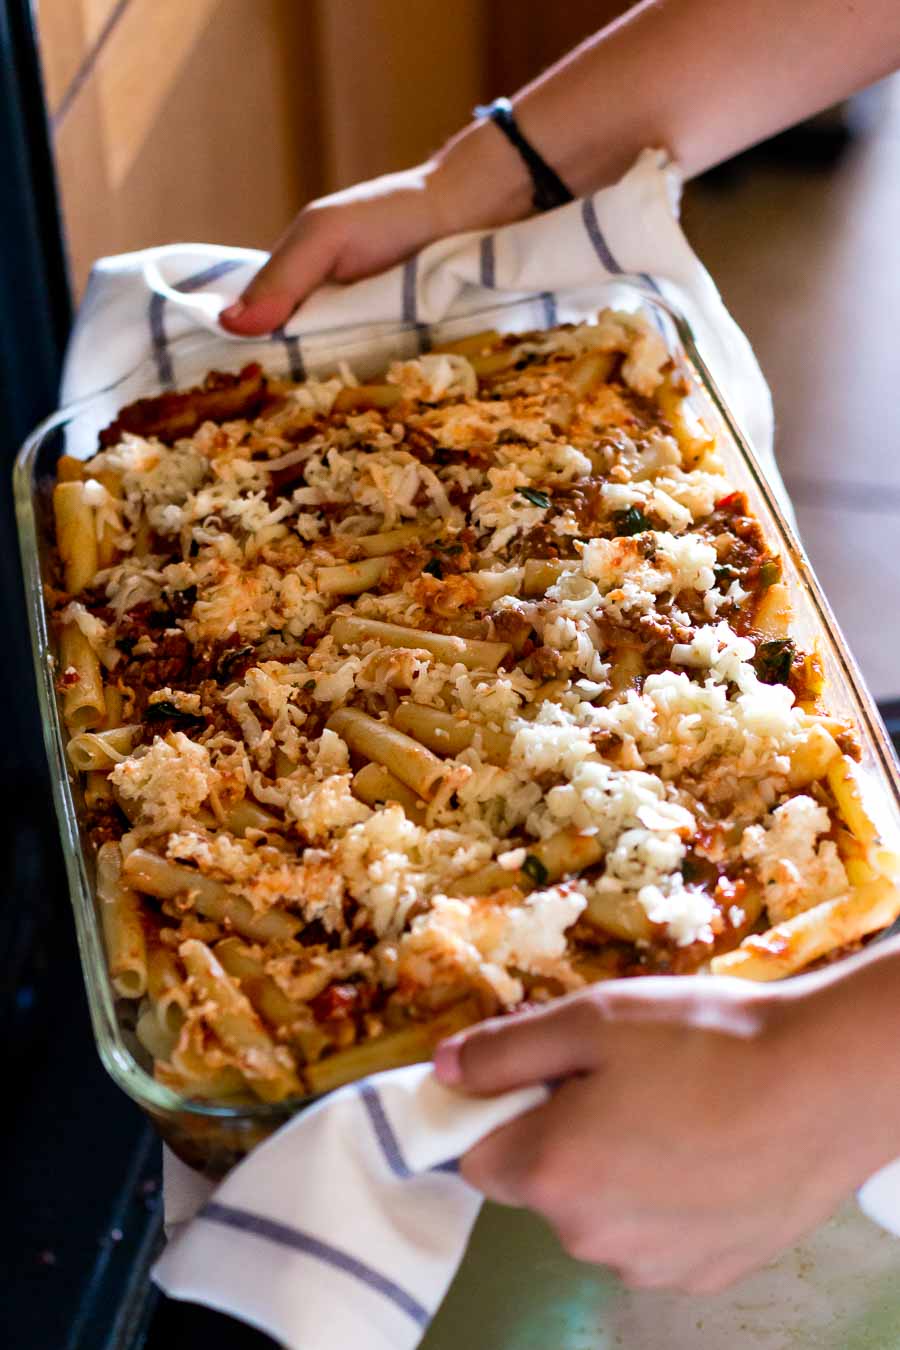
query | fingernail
(447,1064)
(233,311)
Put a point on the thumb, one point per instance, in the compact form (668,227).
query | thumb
(301,261)
(562,1038)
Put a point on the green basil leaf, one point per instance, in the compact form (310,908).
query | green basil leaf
(164,711)
(632,521)
(770,572)
(182,602)
(535,869)
(229,659)
(774,659)
(534,496)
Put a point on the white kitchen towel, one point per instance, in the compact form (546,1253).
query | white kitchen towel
(147,305)
(879,1198)
(346,1227)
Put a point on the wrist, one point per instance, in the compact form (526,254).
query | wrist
(477,180)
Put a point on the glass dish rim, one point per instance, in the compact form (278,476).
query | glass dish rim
(114,1053)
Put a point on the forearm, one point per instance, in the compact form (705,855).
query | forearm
(703,78)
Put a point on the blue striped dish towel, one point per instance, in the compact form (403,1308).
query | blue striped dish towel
(346,1227)
(143,305)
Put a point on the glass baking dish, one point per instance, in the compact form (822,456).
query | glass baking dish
(212,1137)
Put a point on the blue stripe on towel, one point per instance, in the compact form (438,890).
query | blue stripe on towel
(548,300)
(451,1167)
(156,312)
(488,262)
(158,341)
(388,1141)
(208,275)
(410,302)
(595,234)
(282,1235)
(291,342)
(384,1132)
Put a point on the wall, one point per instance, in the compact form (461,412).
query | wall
(215,120)
(181,119)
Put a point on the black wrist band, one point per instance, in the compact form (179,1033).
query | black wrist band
(549,188)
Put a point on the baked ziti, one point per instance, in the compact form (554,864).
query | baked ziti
(402,704)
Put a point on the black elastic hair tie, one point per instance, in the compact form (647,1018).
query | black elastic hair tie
(549,189)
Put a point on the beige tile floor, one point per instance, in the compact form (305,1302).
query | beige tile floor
(808,261)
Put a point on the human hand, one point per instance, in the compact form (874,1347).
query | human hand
(475,181)
(340,238)
(702,1127)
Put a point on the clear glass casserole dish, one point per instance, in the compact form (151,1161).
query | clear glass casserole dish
(210,1136)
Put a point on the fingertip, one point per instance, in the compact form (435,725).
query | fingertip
(469,1060)
(248,317)
(448,1062)
(538,1044)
